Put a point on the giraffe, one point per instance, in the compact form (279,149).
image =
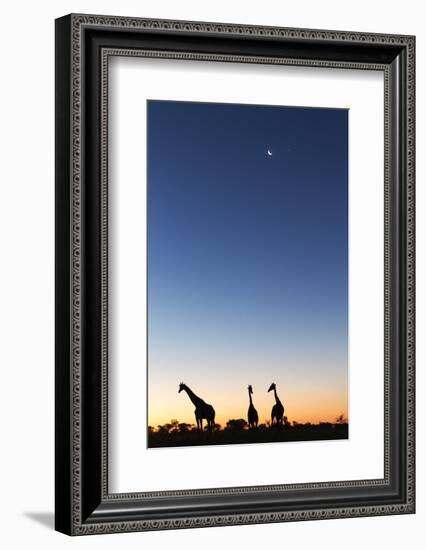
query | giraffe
(252,416)
(202,409)
(277,412)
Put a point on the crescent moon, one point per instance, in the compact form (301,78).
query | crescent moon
(269,153)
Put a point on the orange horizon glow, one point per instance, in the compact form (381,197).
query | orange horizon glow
(320,402)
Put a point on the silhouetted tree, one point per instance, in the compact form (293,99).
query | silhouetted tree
(170,427)
(184,427)
(174,425)
(286,422)
(341,419)
(238,424)
(163,428)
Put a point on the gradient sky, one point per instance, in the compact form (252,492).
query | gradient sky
(247,259)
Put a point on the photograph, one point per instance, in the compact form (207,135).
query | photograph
(247,263)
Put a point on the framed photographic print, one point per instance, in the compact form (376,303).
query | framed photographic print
(234,274)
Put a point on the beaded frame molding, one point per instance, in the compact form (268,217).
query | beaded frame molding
(84,44)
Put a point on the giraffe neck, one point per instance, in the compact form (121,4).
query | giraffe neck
(251,402)
(194,398)
(277,399)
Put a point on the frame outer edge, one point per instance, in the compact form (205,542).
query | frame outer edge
(411,273)
(77,22)
(63,496)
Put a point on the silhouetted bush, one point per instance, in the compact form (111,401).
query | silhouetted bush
(238,424)
(184,427)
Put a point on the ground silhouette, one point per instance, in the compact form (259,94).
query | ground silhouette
(236,431)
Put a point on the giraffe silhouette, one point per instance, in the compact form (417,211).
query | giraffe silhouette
(202,409)
(252,416)
(277,412)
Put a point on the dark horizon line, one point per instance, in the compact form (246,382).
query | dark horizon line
(292,423)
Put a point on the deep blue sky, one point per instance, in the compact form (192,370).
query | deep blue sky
(247,253)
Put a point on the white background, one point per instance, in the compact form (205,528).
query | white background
(26,313)
(132,81)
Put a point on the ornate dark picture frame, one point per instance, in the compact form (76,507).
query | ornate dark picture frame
(84,44)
